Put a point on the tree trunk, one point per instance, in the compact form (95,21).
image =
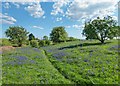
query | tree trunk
(102,41)
(19,45)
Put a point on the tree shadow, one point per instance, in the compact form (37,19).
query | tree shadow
(83,45)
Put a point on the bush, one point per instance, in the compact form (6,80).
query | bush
(47,42)
(5,42)
(44,42)
(34,43)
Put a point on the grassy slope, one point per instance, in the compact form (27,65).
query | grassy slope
(88,63)
(29,66)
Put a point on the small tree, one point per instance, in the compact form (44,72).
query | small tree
(100,29)
(45,37)
(31,37)
(41,43)
(58,34)
(17,35)
(34,43)
(47,42)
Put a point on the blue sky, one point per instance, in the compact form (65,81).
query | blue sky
(39,18)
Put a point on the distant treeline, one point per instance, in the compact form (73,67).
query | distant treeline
(97,29)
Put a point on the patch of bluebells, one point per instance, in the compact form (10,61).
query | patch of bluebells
(60,54)
(51,50)
(32,61)
(25,50)
(115,47)
(36,57)
(20,60)
(36,49)
(86,60)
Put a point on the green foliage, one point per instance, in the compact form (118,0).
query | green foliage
(42,43)
(34,43)
(45,37)
(58,34)
(27,42)
(100,29)
(5,42)
(31,37)
(72,39)
(17,35)
(115,31)
(47,42)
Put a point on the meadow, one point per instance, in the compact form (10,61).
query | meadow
(76,62)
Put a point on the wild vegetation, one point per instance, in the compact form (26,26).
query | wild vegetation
(61,59)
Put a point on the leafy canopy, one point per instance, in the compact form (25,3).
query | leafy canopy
(17,35)
(58,34)
(100,29)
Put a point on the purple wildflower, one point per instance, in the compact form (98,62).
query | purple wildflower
(36,49)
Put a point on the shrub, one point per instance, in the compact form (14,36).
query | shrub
(34,43)
(47,42)
(42,43)
(5,42)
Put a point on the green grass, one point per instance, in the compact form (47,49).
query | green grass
(80,62)
(91,63)
(5,42)
(29,66)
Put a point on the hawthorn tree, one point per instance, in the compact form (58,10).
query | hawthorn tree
(17,35)
(58,34)
(100,29)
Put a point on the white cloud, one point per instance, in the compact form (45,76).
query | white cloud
(16,4)
(79,9)
(44,17)
(59,19)
(38,27)
(35,10)
(5,19)
(20,0)
(75,26)
(6,5)
(57,7)
(28,0)
(115,18)
(68,26)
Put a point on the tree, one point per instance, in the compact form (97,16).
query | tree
(100,29)
(45,37)
(41,43)
(58,34)
(34,43)
(31,37)
(116,31)
(17,35)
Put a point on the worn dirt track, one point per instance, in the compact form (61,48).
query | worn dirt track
(4,48)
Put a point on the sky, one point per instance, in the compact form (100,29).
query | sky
(41,16)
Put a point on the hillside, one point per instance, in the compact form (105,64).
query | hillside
(78,62)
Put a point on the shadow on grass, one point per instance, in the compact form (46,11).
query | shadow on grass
(83,45)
